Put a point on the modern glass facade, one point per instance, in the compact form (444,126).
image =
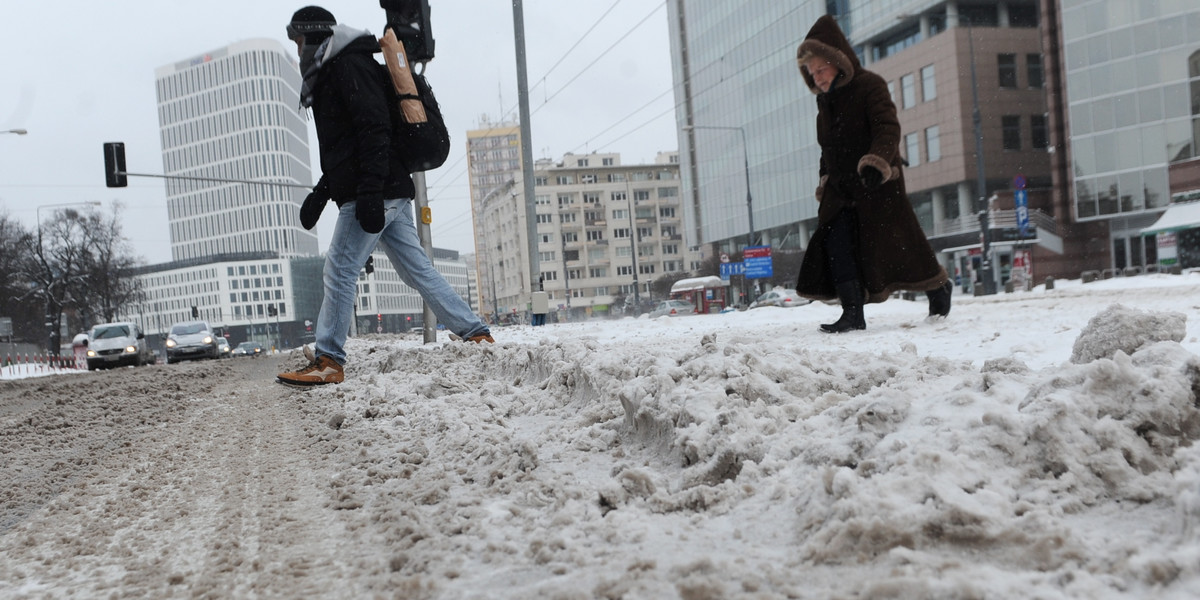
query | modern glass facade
(746,119)
(1133,90)
(232,113)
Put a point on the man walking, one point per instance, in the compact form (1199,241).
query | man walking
(345,88)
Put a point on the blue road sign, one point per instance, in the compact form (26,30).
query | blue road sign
(1022,204)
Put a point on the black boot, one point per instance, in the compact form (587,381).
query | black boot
(939,299)
(851,295)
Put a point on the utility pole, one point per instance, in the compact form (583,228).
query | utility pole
(526,147)
(424,218)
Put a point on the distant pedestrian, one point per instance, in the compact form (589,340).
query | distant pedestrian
(868,242)
(347,90)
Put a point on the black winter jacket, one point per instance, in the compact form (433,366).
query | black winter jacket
(353,121)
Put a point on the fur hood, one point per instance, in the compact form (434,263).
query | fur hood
(826,40)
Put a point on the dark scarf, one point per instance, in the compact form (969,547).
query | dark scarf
(311,59)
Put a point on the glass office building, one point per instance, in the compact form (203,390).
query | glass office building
(233,113)
(1133,92)
(748,151)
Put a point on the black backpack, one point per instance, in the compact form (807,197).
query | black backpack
(421,146)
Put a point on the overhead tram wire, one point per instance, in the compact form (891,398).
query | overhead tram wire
(765,56)
(540,81)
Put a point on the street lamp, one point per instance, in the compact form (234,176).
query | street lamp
(16,131)
(746,168)
(987,279)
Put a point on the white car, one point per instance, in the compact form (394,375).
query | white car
(779,297)
(116,344)
(672,308)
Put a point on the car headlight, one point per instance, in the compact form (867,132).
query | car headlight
(131,349)
(91,353)
(208,339)
(171,343)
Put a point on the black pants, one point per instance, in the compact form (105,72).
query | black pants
(840,247)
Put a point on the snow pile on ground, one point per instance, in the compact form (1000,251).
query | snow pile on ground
(1033,445)
(722,463)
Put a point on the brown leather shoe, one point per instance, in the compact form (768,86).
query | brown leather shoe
(319,372)
(478,339)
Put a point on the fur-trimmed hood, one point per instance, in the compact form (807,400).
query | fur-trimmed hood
(827,41)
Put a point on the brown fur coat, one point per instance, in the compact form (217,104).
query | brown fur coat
(857,126)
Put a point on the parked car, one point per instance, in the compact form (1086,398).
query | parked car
(779,297)
(191,339)
(116,344)
(673,308)
(248,348)
(223,349)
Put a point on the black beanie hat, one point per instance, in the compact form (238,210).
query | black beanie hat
(312,22)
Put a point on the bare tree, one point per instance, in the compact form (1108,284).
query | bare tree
(53,260)
(18,300)
(106,284)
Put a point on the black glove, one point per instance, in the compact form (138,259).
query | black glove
(871,177)
(369,210)
(311,210)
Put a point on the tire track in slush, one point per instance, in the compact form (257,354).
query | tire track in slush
(231,500)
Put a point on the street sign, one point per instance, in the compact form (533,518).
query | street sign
(1022,204)
(758,262)
(1019,182)
(724,257)
(731,268)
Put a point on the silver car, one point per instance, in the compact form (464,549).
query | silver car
(116,344)
(780,297)
(672,308)
(191,339)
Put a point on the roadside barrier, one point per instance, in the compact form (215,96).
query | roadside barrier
(38,364)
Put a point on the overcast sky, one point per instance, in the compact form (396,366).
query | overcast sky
(77,74)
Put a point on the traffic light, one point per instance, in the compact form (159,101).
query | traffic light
(272,311)
(409,19)
(370,267)
(195,313)
(114,165)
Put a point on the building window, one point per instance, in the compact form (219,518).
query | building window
(607,162)
(547,256)
(564,180)
(583,162)
(1008,70)
(1033,64)
(549,275)
(666,212)
(641,195)
(570,236)
(620,213)
(912,145)
(1038,132)
(591,197)
(668,192)
(595,235)
(546,238)
(908,90)
(621,233)
(618,197)
(574,274)
(597,272)
(1011,131)
(566,218)
(646,269)
(545,218)
(624,270)
(543,199)
(570,255)
(564,199)
(928,85)
(933,144)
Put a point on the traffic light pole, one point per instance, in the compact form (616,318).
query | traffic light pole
(424,219)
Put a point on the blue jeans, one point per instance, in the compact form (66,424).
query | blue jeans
(348,253)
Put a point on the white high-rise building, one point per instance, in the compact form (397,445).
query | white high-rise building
(232,113)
